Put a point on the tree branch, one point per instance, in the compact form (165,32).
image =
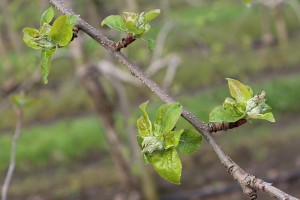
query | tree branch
(13,155)
(249,183)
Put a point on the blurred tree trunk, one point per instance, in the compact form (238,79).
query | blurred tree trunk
(8,27)
(280,25)
(267,37)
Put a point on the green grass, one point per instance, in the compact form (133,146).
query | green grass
(58,143)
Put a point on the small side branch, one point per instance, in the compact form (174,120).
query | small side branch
(224,126)
(13,155)
(124,42)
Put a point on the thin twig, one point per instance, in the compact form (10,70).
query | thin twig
(13,155)
(249,183)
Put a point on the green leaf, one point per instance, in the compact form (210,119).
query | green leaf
(220,114)
(115,22)
(149,16)
(47,16)
(61,32)
(143,123)
(29,37)
(172,138)
(168,165)
(130,16)
(238,90)
(73,20)
(190,141)
(267,116)
(46,63)
(167,116)
(150,44)
(239,107)
(45,29)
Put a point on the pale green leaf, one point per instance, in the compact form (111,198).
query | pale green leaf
(45,29)
(115,22)
(190,141)
(220,114)
(143,123)
(238,90)
(267,116)
(61,32)
(168,165)
(171,138)
(167,116)
(29,37)
(73,20)
(150,15)
(46,63)
(150,44)
(47,16)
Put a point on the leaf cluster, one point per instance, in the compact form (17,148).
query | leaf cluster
(243,105)
(160,142)
(134,24)
(49,37)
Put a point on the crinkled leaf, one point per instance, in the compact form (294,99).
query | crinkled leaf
(168,165)
(190,141)
(267,116)
(220,114)
(130,16)
(150,44)
(132,29)
(238,90)
(47,16)
(46,63)
(150,15)
(143,123)
(239,107)
(115,22)
(45,29)
(61,32)
(167,116)
(29,37)
(172,138)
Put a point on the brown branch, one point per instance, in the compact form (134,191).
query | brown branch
(224,126)
(124,42)
(249,183)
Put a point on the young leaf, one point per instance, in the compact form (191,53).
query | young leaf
(47,16)
(150,15)
(144,123)
(220,114)
(73,20)
(29,37)
(168,165)
(167,116)
(238,90)
(45,29)
(115,22)
(150,44)
(46,63)
(190,141)
(267,116)
(172,138)
(61,32)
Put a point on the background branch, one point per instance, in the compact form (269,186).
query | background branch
(13,155)
(248,182)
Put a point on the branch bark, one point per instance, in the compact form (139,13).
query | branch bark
(249,183)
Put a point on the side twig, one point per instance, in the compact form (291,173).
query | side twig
(249,183)
(13,155)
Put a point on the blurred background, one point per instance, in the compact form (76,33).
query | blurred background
(78,137)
